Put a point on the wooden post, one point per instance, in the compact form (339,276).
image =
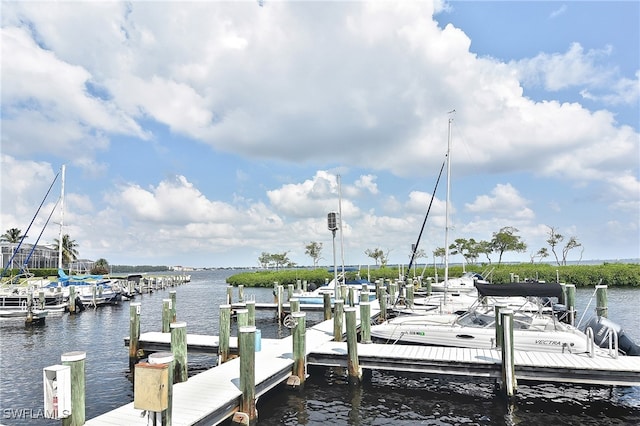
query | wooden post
(571,303)
(299,348)
(327,306)
(365,322)
(229,295)
(352,296)
(498,324)
(382,299)
(563,297)
(134,333)
(241,292)
(409,299)
(294,305)
(242,317)
(165,358)
(338,306)
(279,292)
(251,309)
(353,368)
(76,361)
(179,349)
(166,315)
(246,343)
(509,384)
(225,333)
(304,285)
(428,287)
(172,296)
(93,295)
(72,299)
(601,301)
(41,299)
(289,292)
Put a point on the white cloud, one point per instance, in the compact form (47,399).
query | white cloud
(504,201)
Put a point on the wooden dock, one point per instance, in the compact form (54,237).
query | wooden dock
(213,396)
(529,366)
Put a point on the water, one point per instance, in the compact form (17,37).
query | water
(388,398)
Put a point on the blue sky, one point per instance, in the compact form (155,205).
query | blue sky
(205,133)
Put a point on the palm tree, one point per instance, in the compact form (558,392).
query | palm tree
(69,252)
(13,235)
(100,267)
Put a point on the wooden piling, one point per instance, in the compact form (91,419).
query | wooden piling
(166,315)
(289,292)
(409,295)
(299,348)
(509,384)
(76,361)
(246,344)
(241,293)
(382,300)
(279,294)
(251,310)
(571,303)
(327,306)
(353,367)
(338,315)
(165,358)
(72,299)
(498,324)
(173,297)
(229,294)
(179,349)
(365,322)
(601,301)
(225,333)
(294,305)
(134,334)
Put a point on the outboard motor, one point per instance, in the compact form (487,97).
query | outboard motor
(602,327)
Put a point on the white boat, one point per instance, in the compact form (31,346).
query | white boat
(335,291)
(533,331)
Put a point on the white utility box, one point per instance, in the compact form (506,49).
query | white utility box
(57,391)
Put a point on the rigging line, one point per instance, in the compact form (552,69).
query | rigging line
(26,261)
(415,248)
(27,231)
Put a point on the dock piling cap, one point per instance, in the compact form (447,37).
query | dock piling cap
(161,358)
(73,356)
(181,324)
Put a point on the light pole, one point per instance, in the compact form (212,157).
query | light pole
(332,224)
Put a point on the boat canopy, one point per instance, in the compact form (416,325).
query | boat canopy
(520,289)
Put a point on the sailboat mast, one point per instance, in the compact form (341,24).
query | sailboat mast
(61,219)
(446,223)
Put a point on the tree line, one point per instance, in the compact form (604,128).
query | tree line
(504,240)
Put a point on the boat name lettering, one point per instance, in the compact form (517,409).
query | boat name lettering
(548,342)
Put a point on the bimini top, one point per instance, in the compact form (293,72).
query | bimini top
(520,289)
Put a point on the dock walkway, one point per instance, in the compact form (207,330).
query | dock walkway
(214,395)
(529,366)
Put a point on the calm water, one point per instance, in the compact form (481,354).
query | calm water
(397,399)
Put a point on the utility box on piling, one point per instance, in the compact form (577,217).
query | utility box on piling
(57,391)
(151,387)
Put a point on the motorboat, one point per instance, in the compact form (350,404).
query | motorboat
(533,331)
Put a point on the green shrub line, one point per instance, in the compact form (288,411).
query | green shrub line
(609,274)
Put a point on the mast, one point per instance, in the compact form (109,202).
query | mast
(61,219)
(446,225)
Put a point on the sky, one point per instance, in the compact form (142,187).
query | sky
(204,134)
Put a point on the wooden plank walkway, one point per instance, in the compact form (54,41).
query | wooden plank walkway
(531,366)
(213,396)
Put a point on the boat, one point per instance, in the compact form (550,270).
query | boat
(533,331)
(334,289)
